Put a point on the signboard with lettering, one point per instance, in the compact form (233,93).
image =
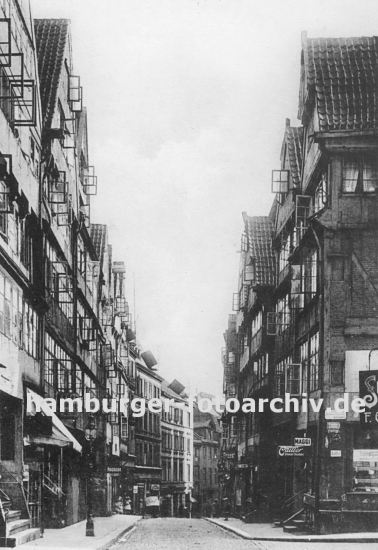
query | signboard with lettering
(369,392)
(335,453)
(152,501)
(302,441)
(333,427)
(365,455)
(331,414)
(290,450)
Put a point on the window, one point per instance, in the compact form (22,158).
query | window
(175,470)
(58,370)
(30,331)
(311,275)
(283,313)
(294,379)
(314,362)
(303,352)
(7,437)
(280,376)
(284,252)
(196,473)
(4,199)
(320,197)
(10,309)
(337,373)
(256,324)
(124,428)
(360,175)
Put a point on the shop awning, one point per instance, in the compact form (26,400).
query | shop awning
(61,436)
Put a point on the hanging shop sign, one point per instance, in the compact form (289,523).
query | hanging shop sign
(369,392)
(290,450)
(302,441)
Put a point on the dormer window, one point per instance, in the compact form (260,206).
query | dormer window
(360,175)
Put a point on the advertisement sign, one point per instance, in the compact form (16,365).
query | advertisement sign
(335,453)
(331,414)
(152,501)
(302,441)
(287,450)
(365,455)
(333,427)
(369,392)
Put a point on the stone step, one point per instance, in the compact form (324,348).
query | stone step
(299,522)
(13,515)
(290,529)
(16,526)
(23,537)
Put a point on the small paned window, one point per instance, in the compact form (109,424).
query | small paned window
(360,175)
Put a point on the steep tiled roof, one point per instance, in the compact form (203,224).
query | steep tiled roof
(51,38)
(341,72)
(259,231)
(293,138)
(98,233)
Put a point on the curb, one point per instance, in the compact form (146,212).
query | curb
(118,536)
(309,538)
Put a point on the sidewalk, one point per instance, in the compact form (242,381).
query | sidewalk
(107,531)
(267,531)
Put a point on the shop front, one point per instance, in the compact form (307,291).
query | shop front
(52,458)
(147,484)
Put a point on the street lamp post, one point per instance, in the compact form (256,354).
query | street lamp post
(90,435)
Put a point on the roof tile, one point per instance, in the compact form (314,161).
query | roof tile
(259,232)
(341,72)
(51,38)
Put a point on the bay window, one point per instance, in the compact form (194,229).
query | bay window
(360,175)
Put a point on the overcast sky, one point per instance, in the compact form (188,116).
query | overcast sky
(187,101)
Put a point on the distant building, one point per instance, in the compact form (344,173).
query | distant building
(207,447)
(177,451)
(147,470)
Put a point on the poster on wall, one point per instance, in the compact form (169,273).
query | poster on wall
(369,392)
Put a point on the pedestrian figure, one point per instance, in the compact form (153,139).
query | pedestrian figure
(226,504)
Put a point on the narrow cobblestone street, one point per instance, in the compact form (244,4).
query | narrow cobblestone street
(180,534)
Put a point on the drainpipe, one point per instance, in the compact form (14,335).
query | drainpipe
(319,424)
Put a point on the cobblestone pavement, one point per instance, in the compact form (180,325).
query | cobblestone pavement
(191,534)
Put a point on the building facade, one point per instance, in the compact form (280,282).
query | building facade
(207,447)
(65,326)
(177,451)
(321,321)
(147,471)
